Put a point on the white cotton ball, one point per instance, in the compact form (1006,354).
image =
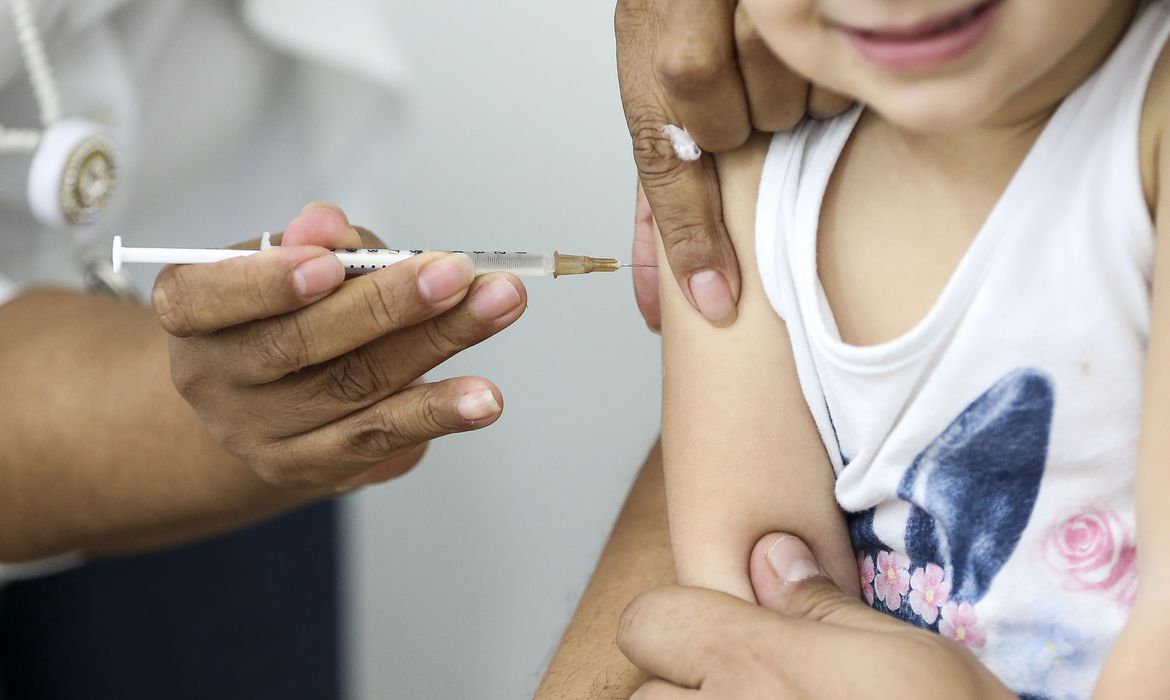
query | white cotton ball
(684,145)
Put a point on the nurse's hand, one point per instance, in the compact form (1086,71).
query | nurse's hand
(316,383)
(702,65)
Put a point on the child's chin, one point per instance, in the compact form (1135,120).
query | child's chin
(935,113)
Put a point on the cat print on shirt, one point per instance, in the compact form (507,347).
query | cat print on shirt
(972,491)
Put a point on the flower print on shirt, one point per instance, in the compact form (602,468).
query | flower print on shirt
(958,622)
(893,578)
(929,591)
(1093,551)
(867,572)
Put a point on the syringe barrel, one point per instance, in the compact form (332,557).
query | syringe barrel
(355,260)
(364,260)
(517,262)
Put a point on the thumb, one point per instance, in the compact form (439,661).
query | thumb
(322,224)
(788,579)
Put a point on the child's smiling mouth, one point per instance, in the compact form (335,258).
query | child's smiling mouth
(926,43)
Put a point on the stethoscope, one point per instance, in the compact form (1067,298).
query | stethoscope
(74,167)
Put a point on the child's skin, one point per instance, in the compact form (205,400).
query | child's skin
(734,417)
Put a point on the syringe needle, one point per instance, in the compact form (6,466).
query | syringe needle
(639,265)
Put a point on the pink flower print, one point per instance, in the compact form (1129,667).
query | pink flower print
(958,622)
(1094,551)
(893,578)
(866,571)
(929,592)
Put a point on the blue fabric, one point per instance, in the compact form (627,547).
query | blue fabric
(972,490)
(252,615)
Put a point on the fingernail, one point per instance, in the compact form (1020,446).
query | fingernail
(477,405)
(441,278)
(791,559)
(318,275)
(713,297)
(494,300)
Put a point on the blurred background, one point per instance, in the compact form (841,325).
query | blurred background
(438,125)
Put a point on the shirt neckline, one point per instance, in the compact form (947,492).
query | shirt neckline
(959,288)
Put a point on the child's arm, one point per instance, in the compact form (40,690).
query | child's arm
(1138,659)
(742,455)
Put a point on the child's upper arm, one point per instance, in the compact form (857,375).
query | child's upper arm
(742,454)
(1153,477)
(1137,659)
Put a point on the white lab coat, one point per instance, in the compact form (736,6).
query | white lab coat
(228,117)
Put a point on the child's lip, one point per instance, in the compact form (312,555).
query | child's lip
(926,43)
(917,29)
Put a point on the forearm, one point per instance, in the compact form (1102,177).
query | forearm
(97,450)
(588,664)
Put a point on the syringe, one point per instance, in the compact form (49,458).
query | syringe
(362,260)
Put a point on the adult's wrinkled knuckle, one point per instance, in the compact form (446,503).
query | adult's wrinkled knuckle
(354,377)
(658,165)
(433,419)
(822,603)
(376,439)
(689,69)
(383,305)
(256,290)
(279,347)
(443,340)
(685,239)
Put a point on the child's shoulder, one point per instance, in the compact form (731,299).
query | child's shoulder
(1155,129)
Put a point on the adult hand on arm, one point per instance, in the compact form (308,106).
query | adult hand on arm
(701,65)
(806,639)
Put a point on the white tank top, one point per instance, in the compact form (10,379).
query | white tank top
(987,456)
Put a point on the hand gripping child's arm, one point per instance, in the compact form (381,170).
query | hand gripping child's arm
(742,455)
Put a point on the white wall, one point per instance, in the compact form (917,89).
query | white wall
(462,575)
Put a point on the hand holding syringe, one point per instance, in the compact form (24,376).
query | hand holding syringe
(362,260)
(317,383)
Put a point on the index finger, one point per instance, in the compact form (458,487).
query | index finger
(198,299)
(202,298)
(695,62)
(684,196)
(698,638)
(673,632)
